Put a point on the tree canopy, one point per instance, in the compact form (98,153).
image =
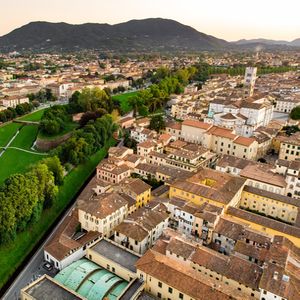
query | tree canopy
(295,113)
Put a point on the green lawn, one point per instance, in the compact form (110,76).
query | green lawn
(7,132)
(15,161)
(12,255)
(123,100)
(35,116)
(26,137)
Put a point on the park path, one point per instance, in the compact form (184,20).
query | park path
(32,152)
(16,148)
(8,144)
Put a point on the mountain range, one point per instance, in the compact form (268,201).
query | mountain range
(155,34)
(294,43)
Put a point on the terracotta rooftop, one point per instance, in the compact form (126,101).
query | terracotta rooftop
(197,124)
(263,173)
(182,277)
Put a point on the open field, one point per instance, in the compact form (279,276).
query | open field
(16,161)
(26,137)
(35,116)
(123,100)
(13,254)
(7,132)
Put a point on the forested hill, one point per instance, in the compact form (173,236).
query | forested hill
(154,34)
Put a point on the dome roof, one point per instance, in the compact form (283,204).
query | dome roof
(91,281)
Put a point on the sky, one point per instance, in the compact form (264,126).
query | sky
(228,19)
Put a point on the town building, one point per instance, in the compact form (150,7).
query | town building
(139,231)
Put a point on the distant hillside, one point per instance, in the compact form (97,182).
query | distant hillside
(267,42)
(141,35)
(296,42)
(260,41)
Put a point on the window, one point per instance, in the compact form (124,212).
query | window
(159,295)
(180,296)
(159,284)
(170,290)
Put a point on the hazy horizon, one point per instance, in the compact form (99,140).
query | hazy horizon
(227,20)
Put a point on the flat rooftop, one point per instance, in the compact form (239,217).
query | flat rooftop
(46,289)
(116,254)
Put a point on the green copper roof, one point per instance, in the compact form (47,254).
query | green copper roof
(91,281)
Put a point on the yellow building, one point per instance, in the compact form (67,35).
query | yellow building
(137,189)
(265,225)
(207,185)
(271,204)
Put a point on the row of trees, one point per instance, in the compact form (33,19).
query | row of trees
(204,70)
(86,141)
(11,113)
(24,196)
(155,97)
(44,95)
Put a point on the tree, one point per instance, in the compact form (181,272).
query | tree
(54,165)
(7,219)
(22,192)
(135,102)
(157,123)
(143,110)
(54,120)
(50,127)
(20,110)
(91,115)
(295,113)
(93,99)
(74,106)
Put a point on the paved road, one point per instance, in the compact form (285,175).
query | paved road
(33,269)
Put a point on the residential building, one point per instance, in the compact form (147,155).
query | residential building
(270,204)
(137,189)
(216,188)
(290,169)
(262,176)
(112,170)
(141,229)
(68,244)
(290,147)
(102,213)
(13,101)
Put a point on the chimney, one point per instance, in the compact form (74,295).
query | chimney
(275,276)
